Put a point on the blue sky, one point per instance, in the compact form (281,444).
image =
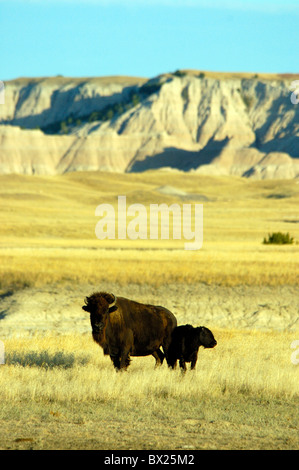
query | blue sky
(146,37)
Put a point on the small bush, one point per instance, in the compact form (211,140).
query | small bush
(64,128)
(278,238)
(94,116)
(108,115)
(150,87)
(135,99)
(179,73)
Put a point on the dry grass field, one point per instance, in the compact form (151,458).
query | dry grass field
(58,391)
(48,228)
(61,392)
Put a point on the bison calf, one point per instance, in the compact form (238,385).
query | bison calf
(185,343)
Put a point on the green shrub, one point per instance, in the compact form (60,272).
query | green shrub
(118,108)
(179,73)
(64,128)
(152,86)
(108,115)
(94,116)
(278,238)
(137,95)
(135,99)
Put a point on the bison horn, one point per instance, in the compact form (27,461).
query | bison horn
(113,301)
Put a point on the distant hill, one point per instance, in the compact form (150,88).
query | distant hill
(206,122)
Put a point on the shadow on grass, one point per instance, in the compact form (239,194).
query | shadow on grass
(3,296)
(44,359)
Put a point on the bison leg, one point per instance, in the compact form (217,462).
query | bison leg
(183,364)
(171,362)
(115,357)
(116,361)
(126,350)
(159,356)
(121,362)
(193,360)
(128,360)
(171,356)
(125,361)
(125,355)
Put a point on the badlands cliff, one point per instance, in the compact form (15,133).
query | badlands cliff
(208,123)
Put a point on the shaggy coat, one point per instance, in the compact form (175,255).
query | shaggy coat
(185,343)
(125,328)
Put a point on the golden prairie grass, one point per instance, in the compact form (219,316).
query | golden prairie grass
(48,231)
(72,367)
(59,391)
(243,394)
(219,265)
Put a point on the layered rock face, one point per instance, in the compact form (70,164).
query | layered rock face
(188,121)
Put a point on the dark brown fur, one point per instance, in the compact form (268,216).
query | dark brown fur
(125,328)
(185,343)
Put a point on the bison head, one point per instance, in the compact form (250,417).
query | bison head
(206,337)
(98,305)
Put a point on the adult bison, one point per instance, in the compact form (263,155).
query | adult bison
(125,328)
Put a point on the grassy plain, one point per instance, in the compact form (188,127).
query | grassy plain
(58,391)
(48,230)
(61,392)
